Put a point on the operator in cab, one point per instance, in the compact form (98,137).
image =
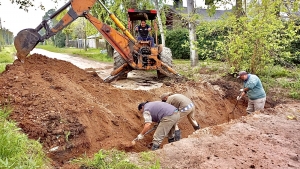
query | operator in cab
(143,32)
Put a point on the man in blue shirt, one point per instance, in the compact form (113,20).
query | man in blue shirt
(255,91)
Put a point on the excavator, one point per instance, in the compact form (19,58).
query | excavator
(130,54)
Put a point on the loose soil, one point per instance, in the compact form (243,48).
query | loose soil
(72,112)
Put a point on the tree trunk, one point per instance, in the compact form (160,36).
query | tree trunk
(67,40)
(84,34)
(239,8)
(110,49)
(192,33)
(160,25)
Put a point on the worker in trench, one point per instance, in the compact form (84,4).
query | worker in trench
(186,108)
(162,113)
(255,91)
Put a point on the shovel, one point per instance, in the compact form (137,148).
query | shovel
(153,128)
(233,109)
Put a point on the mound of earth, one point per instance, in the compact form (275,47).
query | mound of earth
(71,111)
(267,139)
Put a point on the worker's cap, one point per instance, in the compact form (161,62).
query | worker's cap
(241,73)
(165,95)
(140,106)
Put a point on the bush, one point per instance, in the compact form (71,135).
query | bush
(209,35)
(175,39)
(60,40)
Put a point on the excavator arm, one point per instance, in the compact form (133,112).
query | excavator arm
(27,39)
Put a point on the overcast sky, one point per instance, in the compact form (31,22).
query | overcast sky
(16,19)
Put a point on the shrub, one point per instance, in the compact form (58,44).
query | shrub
(209,35)
(175,40)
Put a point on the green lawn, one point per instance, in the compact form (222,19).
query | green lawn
(6,56)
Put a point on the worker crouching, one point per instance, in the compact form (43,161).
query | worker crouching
(162,113)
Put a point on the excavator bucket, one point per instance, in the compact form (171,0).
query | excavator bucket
(25,41)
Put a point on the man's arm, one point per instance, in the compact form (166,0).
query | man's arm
(149,28)
(147,127)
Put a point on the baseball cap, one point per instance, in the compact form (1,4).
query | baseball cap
(241,73)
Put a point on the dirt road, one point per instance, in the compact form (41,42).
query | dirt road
(72,112)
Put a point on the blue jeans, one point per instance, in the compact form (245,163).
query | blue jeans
(149,38)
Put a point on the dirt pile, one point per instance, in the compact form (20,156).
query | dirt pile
(262,140)
(72,112)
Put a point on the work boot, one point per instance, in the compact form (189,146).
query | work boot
(155,147)
(177,135)
(196,127)
(170,140)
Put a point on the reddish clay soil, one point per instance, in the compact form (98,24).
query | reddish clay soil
(72,111)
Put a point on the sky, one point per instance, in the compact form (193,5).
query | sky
(15,19)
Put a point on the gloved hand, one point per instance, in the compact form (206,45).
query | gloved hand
(241,90)
(239,98)
(140,137)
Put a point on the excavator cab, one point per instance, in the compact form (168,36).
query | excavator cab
(135,17)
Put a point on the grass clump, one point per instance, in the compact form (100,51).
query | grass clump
(106,159)
(6,56)
(17,151)
(116,159)
(149,157)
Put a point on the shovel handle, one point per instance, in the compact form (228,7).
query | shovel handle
(153,128)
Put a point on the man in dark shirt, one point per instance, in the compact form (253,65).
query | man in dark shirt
(162,113)
(143,29)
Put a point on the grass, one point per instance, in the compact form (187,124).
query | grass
(282,81)
(146,157)
(6,56)
(91,53)
(117,160)
(206,70)
(16,150)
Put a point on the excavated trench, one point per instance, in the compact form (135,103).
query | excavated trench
(72,112)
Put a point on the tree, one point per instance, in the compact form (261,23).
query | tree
(192,33)
(259,39)
(160,25)
(67,30)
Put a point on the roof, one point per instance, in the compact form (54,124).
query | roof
(202,12)
(98,35)
(141,14)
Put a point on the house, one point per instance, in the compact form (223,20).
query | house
(93,41)
(175,15)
